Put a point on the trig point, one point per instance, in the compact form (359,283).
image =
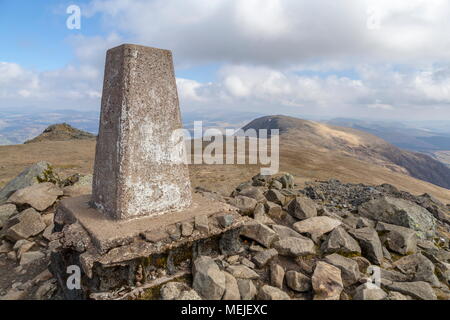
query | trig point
(141,211)
(139,167)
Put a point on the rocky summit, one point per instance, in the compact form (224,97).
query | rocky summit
(325,241)
(61,132)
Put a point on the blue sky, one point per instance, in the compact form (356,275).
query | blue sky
(359,58)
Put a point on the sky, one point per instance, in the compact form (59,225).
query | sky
(325,58)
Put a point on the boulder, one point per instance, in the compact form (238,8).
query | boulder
(302,207)
(259,215)
(39,196)
(31,256)
(339,241)
(398,239)
(287,181)
(369,291)
(399,212)
(275,196)
(286,232)
(276,275)
(26,178)
(264,257)
(274,210)
(29,224)
(232,289)
(370,244)
(418,267)
(208,280)
(327,282)
(81,187)
(225,220)
(316,226)
(349,268)
(242,272)
(294,247)
(256,193)
(275,184)
(6,211)
(260,233)
(419,289)
(297,281)
(247,289)
(245,204)
(272,293)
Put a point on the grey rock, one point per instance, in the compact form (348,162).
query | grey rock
(327,282)
(286,232)
(316,226)
(186,229)
(40,196)
(208,280)
(5,247)
(418,266)
(274,210)
(287,181)
(370,244)
(259,215)
(6,211)
(31,256)
(275,196)
(399,212)
(276,275)
(297,281)
(172,290)
(369,291)
(245,205)
(225,220)
(393,276)
(294,247)
(242,272)
(302,208)
(339,241)
(364,222)
(398,239)
(29,223)
(26,178)
(394,295)
(419,289)
(264,257)
(254,193)
(189,295)
(272,293)
(247,289)
(276,185)
(46,290)
(260,233)
(349,268)
(232,289)
(201,223)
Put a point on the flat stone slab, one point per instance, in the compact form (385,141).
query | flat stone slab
(107,233)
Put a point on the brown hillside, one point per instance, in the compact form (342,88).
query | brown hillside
(62,132)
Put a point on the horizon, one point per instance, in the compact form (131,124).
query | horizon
(383,61)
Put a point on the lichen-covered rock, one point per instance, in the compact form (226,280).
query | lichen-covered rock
(40,196)
(302,208)
(208,280)
(327,282)
(26,178)
(81,187)
(272,293)
(242,272)
(6,211)
(275,196)
(418,267)
(399,212)
(316,226)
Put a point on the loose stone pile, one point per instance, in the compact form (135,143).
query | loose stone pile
(327,241)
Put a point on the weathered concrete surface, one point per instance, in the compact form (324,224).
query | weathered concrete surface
(106,233)
(139,168)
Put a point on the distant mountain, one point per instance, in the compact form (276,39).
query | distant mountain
(61,132)
(309,135)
